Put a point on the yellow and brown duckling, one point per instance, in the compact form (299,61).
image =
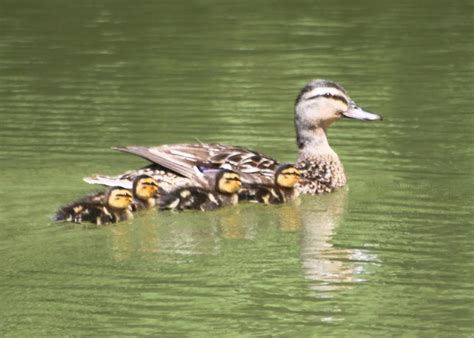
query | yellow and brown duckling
(284,188)
(221,190)
(112,206)
(145,192)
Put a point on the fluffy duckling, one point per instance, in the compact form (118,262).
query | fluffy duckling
(113,206)
(283,190)
(145,192)
(222,190)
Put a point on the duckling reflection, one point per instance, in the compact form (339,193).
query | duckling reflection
(176,236)
(289,216)
(140,241)
(231,226)
(121,243)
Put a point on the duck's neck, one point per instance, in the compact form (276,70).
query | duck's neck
(313,144)
(321,169)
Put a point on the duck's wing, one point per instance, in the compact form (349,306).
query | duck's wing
(110,181)
(167,180)
(178,164)
(254,167)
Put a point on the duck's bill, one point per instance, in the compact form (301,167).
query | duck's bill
(357,113)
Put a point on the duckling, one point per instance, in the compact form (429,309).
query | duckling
(145,192)
(317,106)
(283,190)
(222,190)
(111,206)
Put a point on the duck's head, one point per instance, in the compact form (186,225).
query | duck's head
(145,187)
(228,181)
(321,102)
(287,176)
(119,198)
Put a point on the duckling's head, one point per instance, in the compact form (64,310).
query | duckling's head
(321,102)
(227,181)
(119,198)
(145,187)
(287,176)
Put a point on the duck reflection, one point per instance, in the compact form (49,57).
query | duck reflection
(327,267)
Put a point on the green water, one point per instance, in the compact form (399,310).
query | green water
(391,255)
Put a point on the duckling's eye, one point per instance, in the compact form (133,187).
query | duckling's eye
(327,95)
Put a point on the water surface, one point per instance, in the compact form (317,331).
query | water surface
(390,255)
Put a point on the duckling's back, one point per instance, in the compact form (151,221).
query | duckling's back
(193,198)
(267,194)
(90,208)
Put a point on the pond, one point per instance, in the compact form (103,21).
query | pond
(389,255)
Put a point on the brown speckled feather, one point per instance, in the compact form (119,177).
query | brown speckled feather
(175,165)
(181,158)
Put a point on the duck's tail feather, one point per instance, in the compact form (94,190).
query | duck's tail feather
(108,181)
(163,158)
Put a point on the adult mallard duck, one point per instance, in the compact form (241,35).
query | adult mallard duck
(283,189)
(112,206)
(218,188)
(318,105)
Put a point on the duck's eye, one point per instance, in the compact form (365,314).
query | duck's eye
(327,95)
